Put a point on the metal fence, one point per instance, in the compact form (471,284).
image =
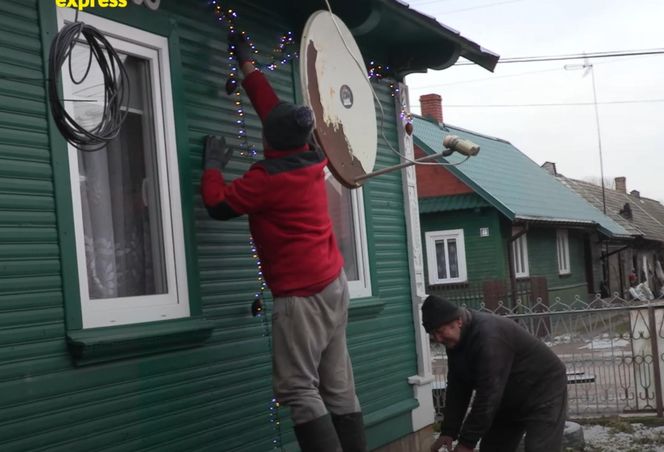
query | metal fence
(613,350)
(479,294)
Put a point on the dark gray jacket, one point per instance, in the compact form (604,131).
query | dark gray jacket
(512,372)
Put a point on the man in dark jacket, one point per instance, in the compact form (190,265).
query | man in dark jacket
(520,384)
(286,200)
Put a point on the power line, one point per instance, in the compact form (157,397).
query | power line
(472,8)
(576,56)
(425,2)
(561,104)
(487,79)
(495,77)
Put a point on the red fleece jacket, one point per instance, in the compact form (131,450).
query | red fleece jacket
(286,200)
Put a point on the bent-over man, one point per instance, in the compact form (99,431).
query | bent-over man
(520,384)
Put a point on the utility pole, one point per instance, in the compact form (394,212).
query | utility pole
(588,67)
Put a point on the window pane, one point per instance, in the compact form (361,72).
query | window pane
(518,256)
(453,257)
(119,191)
(561,252)
(440,258)
(341,211)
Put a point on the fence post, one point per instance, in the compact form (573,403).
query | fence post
(655,361)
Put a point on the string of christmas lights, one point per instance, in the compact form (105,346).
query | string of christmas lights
(378,73)
(280,56)
(228,17)
(258,310)
(257,307)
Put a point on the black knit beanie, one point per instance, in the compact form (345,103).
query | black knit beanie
(437,311)
(288,126)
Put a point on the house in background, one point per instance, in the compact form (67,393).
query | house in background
(497,227)
(125,318)
(643,218)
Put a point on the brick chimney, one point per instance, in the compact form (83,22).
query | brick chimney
(432,107)
(621,184)
(550,167)
(635,193)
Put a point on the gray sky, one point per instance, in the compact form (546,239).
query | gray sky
(632,134)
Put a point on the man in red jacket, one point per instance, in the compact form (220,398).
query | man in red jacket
(286,201)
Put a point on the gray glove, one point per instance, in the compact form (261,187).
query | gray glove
(239,45)
(215,153)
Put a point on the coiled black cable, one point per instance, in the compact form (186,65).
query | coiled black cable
(116,86)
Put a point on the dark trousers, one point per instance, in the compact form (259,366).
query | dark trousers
(543,425)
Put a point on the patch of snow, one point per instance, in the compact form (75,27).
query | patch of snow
(598,344)
(604,439)
(563,339)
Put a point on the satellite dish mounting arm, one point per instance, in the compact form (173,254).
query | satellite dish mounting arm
(451,142)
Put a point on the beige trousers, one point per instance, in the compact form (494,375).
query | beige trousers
(312,372)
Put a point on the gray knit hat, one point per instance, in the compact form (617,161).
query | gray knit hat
(288,126)
(437,311)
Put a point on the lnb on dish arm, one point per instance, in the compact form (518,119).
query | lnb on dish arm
(465,147)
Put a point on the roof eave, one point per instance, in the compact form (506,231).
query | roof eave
(440,34)
(389,32)
(559,221)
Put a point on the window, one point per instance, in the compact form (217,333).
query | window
(520,252)
(347,213)
(446,256)
(562,245)
(126,198)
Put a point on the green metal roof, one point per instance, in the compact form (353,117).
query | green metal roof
(511,182)
(450,203)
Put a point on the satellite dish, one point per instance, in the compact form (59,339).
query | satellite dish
(335,85)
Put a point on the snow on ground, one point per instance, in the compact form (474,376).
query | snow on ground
(632,438)
(599,344)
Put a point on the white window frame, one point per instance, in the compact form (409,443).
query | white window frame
(520,255)
(562,249)
(432,257)
(175,302)
(361,287)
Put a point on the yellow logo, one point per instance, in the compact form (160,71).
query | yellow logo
(83,4)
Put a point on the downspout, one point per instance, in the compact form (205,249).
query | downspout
(621,269)
(603,260)
(607,263)
(510,261)
(422,382)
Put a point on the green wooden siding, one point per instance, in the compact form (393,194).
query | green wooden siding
(485,256)
(543,258)
(31,311)
(382,346)
(214,397)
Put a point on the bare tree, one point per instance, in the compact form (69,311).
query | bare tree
(596,180)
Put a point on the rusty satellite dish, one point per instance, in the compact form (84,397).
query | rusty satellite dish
(335,85)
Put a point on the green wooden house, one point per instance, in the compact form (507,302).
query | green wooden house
(125,319)
(497,228)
